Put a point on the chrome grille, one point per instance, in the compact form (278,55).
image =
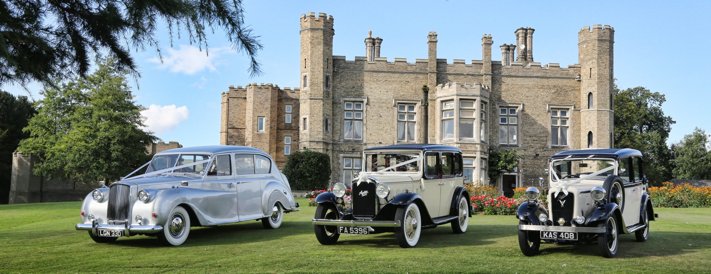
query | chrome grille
(364,200)
(118,202)
(562,208)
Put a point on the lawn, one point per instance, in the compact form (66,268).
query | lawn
(41,238)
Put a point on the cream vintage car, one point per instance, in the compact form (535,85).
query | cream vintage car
(402,189)
(594,194)
(185,187)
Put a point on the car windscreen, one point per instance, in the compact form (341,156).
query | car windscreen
(160,162)
(581,168)
(393,162)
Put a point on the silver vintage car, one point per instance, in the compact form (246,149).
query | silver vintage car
(184,187)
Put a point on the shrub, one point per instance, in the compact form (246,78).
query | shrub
(682,195)
(308,170)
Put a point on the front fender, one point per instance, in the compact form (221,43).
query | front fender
(529,211)
(404,199)
(326,198)
(600,214)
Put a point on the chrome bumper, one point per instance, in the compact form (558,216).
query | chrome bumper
(128,230)
(562,228)
(332,222)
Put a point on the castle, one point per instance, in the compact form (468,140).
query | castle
(344,106)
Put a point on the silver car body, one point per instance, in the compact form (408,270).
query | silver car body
(210,200)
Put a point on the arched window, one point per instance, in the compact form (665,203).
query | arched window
(304,84)
(590,139)
(590,100)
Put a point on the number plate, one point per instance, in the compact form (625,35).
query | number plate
(362,230)
(105,232)
(553,235)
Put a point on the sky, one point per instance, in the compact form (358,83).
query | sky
(659,45)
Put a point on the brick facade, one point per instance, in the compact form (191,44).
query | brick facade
(348,105)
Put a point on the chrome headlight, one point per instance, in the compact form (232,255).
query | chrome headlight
(532,193)
(598,193)
(98,195)
(382,191)
(144,196)
(339,189)
(543,217)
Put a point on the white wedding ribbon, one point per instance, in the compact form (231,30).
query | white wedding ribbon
(363,176)
(562,186)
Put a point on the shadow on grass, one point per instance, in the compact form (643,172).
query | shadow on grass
(441,236)
(664,243)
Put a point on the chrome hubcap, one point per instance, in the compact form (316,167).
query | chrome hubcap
(411,226)
(176,226)
(612,240)
(275,214)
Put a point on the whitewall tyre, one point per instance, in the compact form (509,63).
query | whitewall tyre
(608,241)
(176,228)
(275,219)
(460,224)
(408,234)
(326,235)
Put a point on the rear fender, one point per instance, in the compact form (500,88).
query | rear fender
(459,192)
(647,202)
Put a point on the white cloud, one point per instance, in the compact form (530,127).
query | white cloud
(160,119)
(190,60)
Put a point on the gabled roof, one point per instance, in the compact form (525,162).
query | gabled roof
(615,153)
(423,147)
(211,150)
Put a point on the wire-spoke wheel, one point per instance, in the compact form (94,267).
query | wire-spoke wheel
(326,235)
(529,241)
(608,240)
(275,219)
(460,224)
(176,228)
(408,234)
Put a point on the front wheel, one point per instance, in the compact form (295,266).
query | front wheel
(176,228)
(275,219)
(408,234)
(529,241)
(326,235)
(460,224)
(101,240)
(643,234)
(608,240)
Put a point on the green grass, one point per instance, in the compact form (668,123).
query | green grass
(41,238)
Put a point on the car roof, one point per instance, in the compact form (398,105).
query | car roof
(211,150)
(615,153)
(423,147)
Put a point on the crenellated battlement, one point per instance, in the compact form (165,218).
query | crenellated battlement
(311,20)
(596,32)
(241,91)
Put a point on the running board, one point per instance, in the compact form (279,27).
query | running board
(634,228)
(442,220)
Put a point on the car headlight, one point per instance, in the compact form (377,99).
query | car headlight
(382,191)
(543,217)
(98,195)
(598,193)
(579,219)
(532,193)
(339,189)
(144,196)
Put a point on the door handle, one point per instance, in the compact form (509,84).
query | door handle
(442,183)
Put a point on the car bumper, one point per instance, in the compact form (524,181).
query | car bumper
(579,229)
(352,223)
(131,229)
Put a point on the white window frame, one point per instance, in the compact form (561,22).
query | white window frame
(261,124)
(353,114)
(451,118)
(483,127)
(505,119)
(287,116)
(346,167)
(555,114)
(461,118)
(287,145)
(403,116)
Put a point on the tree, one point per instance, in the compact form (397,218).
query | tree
(640,123)
(51,39)
(14,115)
(501,160)
(307,170)
(692,160)
(88,129)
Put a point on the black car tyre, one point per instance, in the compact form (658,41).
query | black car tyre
(176,228)
(608,240)
(102,240)
(275,219)
(408,234)
(460,224)
(326,235)
(643,234)
(529,241)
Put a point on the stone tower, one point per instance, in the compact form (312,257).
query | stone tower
(595,47)
(316,80)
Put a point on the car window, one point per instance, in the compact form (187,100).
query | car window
(625,169)
(637,164)
(458,164)
(186,159)
(431,171)
(162,162)
(222,166)
(245,164)
(262,165)
(447,162)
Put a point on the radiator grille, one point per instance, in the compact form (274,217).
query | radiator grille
(118,202)
(562,208)
(364,200)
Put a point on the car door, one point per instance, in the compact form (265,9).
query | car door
(220,180)
(633,188)
(432,183)
(451,177)
(249,188)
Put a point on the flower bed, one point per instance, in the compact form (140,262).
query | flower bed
(682,195)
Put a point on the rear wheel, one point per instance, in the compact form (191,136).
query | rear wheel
(408,234)
(529,241)
(460,224)
(274,220)
(643,234)
(326,235)
(608,240)
(102,240)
